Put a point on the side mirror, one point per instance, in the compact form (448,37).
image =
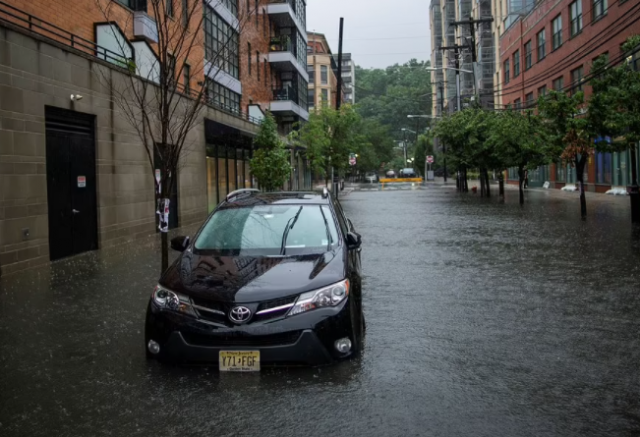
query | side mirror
(180,243)
(354,241)
(350,224)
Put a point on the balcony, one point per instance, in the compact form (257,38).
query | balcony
(283,58)
(285,102)
(145,27)
(283,13)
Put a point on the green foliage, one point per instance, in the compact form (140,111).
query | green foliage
(423,148)
(329,137)
(271,161)
(388,96)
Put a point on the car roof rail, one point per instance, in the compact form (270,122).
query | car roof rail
(236,193)
(325,193)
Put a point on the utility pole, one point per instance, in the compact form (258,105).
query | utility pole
(444,146)
(336,184)
(457,54)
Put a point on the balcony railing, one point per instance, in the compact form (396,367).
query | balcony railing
(285,93)
(292,3)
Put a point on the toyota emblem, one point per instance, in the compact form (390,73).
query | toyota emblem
(240,315)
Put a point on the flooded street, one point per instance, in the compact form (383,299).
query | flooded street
(483,319)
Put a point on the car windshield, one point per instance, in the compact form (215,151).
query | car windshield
(269,230)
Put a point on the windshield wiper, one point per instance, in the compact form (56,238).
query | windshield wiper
(292,220)
(326,227)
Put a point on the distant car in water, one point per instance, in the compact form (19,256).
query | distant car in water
(269,278)
(371,177)
(408,173)
(391,174)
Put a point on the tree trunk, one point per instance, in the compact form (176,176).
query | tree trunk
(164,238)
(580,164)
(501,184)
(486,178)
(521,183)
(481,177)
(458,176)
(465,181)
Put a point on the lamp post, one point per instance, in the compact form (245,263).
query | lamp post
(404,140)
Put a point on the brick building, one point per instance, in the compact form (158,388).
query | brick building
(323,72)
(53,49)
(552,46)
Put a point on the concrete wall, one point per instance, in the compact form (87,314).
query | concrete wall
(35,72)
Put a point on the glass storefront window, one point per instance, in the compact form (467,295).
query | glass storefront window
(621,169)
(222,174)
(231,166)
(561,172)
(212,186)
(603,168)
(240,170)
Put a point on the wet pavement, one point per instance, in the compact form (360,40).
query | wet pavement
(484,319)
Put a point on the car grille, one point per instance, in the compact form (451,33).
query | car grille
(218,312)
(239,339)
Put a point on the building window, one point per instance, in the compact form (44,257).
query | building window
(542,91)
(265,24)
(507,72)
(222,97)
(604,168)
(249,58)
(516,63)
(599,9)
(575,14)
(186,77)
(576,79)
(256,12)
(221,43)
(556,25)
(312,74)
(113,45)
(231,5)
(528,55)
(542,45)
(324,74)
(311,96)
(558,84)
(325,95)
(258,64)
(169,8)
(529,98)
(517,104)
(185,13)
(264,67)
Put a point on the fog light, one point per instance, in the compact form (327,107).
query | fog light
(343,345)
(154,347)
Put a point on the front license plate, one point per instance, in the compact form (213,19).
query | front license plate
(239,361)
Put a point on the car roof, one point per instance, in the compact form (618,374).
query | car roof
(254,198)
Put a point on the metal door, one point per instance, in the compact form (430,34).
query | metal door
(71,183)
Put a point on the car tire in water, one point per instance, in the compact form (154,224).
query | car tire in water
(357,328)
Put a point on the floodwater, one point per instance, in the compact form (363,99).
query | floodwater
(483,318)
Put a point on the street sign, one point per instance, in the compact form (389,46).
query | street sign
(429,159)
(352,160)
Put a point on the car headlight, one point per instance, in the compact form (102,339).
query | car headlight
(167,299)
(324,297)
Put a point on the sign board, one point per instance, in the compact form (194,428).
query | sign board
(82,181)
(352,160)
(430,159)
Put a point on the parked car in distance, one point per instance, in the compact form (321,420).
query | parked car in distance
(408,173)
(371,177)
(391,174)
(269,278)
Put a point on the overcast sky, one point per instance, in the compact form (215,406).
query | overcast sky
(378,33)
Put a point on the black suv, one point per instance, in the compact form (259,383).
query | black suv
(268,278)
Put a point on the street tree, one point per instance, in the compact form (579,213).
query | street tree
(517,140)
(571,133)
(329,138)
(270,164)
(161,110)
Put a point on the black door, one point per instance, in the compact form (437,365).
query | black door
(173,200)
(71,182)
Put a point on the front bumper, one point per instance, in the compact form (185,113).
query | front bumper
(304,339)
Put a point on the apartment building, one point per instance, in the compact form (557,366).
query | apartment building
(323,70)
(552,46)
(250,57)
(348,77)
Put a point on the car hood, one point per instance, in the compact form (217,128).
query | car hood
(242,279)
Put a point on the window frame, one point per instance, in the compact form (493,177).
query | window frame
(574,88)
(169,9)
(186,78)
(216,27)
(556,38)
(324,75)
(575,19)
(542,48)
(561,81)
(603,5)
(516,63)
(528,55)
(506,71)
